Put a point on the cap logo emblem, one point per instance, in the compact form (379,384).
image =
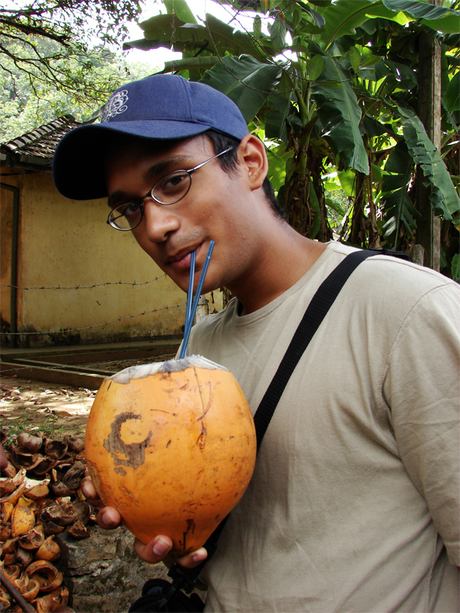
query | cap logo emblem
(115,105)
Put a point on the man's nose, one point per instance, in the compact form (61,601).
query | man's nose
(160,220)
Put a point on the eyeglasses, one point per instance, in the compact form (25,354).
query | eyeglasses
(168,190)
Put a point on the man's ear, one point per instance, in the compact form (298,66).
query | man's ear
(253,160)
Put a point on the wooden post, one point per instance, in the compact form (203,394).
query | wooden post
(429,110)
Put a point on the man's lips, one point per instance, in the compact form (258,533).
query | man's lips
(182,260)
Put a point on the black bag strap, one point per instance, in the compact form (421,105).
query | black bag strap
(310,322)
(314,315)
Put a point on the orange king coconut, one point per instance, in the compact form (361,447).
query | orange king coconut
(172,447)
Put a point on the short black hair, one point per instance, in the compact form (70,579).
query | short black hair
(229,162)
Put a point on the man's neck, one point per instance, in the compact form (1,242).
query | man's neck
(284,263)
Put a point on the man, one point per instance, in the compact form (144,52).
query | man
(354,503)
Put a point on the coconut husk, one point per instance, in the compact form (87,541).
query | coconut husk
(22,459)
(74,444)
(55,449)
(24,557)
(29,442)
(74,475)
(46,574)
(10,470)
(60,489)
(33,539)
(40,496)
(48,550)
(43,467)
(61,514)
(5,533)
(79,531)
(10,484)
(22,520)
(37,489)
(32,590)
(51,602)
(6,509)
(50,528)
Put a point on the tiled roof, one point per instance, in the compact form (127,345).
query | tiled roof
(41,142)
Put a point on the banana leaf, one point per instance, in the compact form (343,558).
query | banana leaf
(181,9)
(396,204)
(276,119)
(340,115)
(202,62)
(170,32)
(444,197)
(245,80)
(452,96)
(345,16)
(435,17)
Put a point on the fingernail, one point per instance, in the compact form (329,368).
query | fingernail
(105,520)
(199,556)
(160,548)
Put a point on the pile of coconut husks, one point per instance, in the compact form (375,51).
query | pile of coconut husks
(40,497)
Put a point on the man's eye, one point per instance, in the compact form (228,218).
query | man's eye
(131,209)
(174,182)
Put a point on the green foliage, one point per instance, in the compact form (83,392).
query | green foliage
(333,86)
(24,107)
(51,43)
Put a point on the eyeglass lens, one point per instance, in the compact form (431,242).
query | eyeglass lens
(172,188)
(169,190)
(125,216)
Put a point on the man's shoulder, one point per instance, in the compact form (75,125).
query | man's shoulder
(394,270)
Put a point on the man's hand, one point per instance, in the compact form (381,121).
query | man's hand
(156,550)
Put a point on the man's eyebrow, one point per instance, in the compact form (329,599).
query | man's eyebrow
(156,171)
(115,198)
(161,168)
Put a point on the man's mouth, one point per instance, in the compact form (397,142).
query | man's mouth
(182,260)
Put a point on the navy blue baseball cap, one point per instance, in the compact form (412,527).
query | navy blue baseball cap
(161,107)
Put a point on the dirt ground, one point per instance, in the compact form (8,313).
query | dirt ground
(49,409)
(43,408)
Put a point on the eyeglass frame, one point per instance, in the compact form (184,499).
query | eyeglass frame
(150,194)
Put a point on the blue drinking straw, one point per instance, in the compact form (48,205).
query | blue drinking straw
(191,308)
(190,286)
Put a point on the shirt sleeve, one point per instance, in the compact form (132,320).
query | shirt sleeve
(422,389)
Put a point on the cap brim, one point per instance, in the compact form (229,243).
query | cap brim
(79,159)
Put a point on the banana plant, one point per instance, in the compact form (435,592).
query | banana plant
(332,88)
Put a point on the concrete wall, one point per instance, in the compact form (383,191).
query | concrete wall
(79,280)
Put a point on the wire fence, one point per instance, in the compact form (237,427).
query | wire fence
(74,287)
(7,333)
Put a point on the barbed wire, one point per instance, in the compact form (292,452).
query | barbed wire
(107,323)
(68,287)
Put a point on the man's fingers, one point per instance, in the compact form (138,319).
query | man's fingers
(155,551)
(158,549)
(108,518)
(193,559)
(88,488)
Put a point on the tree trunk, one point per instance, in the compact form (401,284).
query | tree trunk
(429,111)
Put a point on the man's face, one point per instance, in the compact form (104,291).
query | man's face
(213,209)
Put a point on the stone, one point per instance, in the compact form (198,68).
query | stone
(103,573)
